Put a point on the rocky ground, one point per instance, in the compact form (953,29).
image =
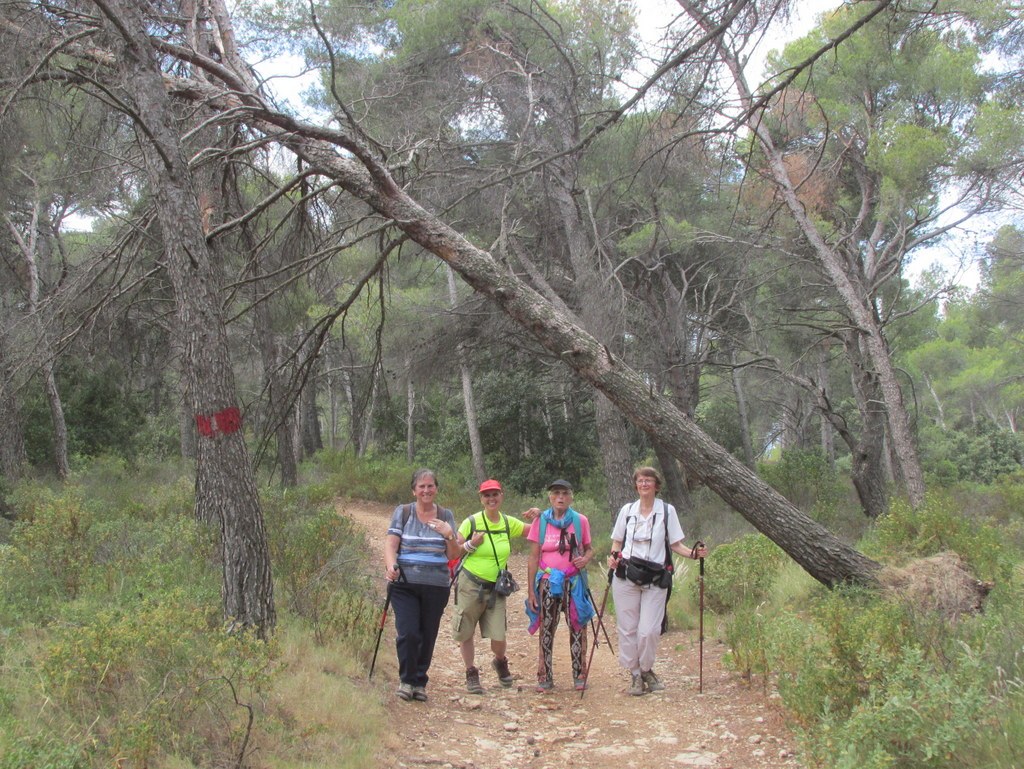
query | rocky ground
(728,726)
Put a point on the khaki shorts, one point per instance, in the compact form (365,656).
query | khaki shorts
(469,611)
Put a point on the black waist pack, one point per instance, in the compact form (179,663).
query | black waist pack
(641,572)
(506,584)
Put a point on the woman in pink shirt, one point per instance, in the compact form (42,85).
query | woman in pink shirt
(560,550)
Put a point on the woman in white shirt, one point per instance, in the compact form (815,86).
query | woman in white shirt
(644,533)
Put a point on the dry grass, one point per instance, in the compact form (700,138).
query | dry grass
(941,583)
(327,715)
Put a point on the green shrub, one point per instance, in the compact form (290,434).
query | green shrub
(746,633)
(936,526)
(318,560)
(759,638)
(55,546)
(41,751)
(134,557)
(918,715)
(741,573)
(385,479)
(1010,490)
(806,479)
(161,677)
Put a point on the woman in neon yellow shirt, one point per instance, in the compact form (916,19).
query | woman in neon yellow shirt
(487,544)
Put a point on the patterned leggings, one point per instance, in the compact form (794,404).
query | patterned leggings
(551,609)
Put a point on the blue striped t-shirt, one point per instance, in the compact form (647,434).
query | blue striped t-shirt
(421,552)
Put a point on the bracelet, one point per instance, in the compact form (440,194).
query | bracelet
(468,547)
(450,538)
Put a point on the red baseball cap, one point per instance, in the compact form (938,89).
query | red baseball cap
(490,485)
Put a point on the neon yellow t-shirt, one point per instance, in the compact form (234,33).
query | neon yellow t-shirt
(482,562)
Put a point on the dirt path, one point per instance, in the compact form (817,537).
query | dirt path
(729,726)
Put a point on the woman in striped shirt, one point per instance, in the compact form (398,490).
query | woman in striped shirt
(419,543)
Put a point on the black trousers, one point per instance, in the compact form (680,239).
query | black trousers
(418,611)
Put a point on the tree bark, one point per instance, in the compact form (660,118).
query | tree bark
(410,415)
(676,491)
(828,445)
(13,457)
(615,459)
(309,414)
(225,484)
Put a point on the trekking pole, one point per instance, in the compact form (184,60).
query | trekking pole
(600,613)
(380,629)
(700,636)
(599,624)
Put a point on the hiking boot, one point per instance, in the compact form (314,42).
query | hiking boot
(419,693)
(636,689)
(404,692)
(544,685)
(501,668)
(473,685)
(651,681)
(580,684)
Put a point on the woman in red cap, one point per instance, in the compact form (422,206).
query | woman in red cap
(487,545)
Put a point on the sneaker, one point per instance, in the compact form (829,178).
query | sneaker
(473,681)
(651,681)
(501,668)
(419,693)
(636,689)
(404,692)
(544,685)
(580,684)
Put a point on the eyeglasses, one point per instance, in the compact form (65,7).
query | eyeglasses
(491,494)
(644,481)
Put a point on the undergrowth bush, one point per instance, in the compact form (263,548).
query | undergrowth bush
(49,553)
(1000,745)
(162,676)
(872,681)
(113,650)
(850,637)
(741,573)
(319,563)
(938,525)
(806,479)
(332,474)
(42,751)
(916,716)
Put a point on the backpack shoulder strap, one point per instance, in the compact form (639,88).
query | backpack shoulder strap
(406,515)
(668,551)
